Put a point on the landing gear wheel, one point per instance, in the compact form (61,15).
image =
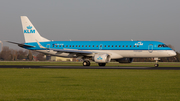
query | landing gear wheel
(101,64)
(156,65)
(86,63)
(89,63)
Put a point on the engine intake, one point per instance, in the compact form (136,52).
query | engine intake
(102,58)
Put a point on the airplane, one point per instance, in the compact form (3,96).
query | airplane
(101,52)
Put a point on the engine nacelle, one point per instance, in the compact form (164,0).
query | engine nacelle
(125,60)
(102,58)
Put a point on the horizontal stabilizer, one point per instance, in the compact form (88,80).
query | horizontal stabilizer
(20,44)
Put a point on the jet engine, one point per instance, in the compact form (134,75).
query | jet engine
(125,60)
(102,58)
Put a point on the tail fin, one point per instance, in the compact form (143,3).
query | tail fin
(30,32)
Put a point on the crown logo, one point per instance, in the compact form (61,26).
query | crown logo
(99,58)
(29,27)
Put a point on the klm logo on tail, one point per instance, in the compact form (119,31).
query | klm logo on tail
(29,30)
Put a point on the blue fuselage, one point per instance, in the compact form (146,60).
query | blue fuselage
(101,45)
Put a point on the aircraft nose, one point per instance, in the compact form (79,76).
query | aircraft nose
(172,53)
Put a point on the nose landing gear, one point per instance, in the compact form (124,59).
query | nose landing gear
(156,64)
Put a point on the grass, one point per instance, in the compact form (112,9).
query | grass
(134,64)
(89,84)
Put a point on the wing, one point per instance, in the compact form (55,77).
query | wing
(72,51)
(75,51)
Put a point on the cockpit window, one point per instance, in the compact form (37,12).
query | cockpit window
(159,45)
(162,45)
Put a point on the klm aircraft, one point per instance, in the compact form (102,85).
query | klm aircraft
(100,52)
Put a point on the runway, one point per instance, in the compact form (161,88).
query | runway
(92,67)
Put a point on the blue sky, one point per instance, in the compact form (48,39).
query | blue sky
(156,20)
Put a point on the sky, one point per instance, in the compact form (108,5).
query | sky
(79,20)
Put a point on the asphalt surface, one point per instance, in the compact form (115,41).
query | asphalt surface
(89,67)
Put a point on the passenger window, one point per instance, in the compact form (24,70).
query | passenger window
(123,46)
(104,45)
(116,46)
(82,45)
(72,45)
(63,45)
(126,45)
(93,46)
(89,45)
(66,45)
(59,45)
(96,45)
(86,46)
(119,45)
(112,45)
(76,45)
(108,45)
(134,46)
(137,45)
(53,45)
(79,46)
(56,45)
(69,45)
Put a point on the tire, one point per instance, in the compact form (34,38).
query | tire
(86,63)
(156,65)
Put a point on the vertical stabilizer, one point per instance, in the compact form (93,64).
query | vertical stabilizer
(30,32)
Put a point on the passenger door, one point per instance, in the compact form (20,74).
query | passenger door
(150,48)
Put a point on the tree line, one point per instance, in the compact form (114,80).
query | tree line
(8,54)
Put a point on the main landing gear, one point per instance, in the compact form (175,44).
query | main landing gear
(156,64)
(86,63)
